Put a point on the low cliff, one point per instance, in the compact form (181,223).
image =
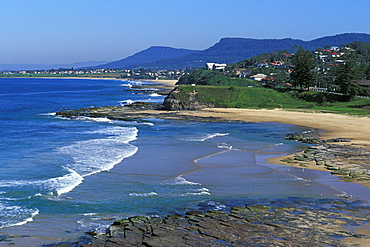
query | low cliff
(186,97)
(183,100)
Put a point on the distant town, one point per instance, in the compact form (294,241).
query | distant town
(99,73)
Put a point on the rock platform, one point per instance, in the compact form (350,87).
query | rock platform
(298,222)
(350,162)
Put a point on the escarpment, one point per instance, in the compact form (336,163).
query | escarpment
(183,100)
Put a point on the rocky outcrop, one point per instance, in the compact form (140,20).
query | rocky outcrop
(300,222)
(126,113)
(310,137)
(350,162)
(177,101)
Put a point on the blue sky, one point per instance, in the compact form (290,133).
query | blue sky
(67,31)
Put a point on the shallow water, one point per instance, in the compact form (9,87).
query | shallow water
(61,177)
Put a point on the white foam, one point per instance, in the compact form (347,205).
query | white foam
(137,83)
(124,132)
(150,124)
(202,190)
(198,193)
(126,102)
(57,185)
(216,205)
(155,95)
(179,181)
(225,146)
(89,156)
(343,194)
(101,119)
(143,194)
(127,85)
(203,138)
(11,183)
(11,215)
(94,119)
(48,114)
(30,219)
(64,184)
(96,155)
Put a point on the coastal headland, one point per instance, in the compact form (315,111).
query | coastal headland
(342,146)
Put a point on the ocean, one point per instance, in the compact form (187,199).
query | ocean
(60,178)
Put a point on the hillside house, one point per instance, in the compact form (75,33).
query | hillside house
(242,73)
(335,54)
(258,77)
(262,64)
(216,66)
(277,64)
(335,48)
(364,83)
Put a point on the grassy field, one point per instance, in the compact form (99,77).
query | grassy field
(214,78)
(258,97)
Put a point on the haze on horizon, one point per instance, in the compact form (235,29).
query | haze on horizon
(56,32)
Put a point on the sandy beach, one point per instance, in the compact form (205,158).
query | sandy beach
(332,125)
(166,82)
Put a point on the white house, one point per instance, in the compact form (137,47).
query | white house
(216,66)
(258,77)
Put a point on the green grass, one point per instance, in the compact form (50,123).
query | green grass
(258,97)
(214,78)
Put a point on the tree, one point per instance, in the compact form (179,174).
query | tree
(348,73)
(303,65)
(367,73)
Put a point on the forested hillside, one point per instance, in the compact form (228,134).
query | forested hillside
(229,50)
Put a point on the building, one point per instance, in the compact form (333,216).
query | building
(364,83)
(258,77)
(216,66)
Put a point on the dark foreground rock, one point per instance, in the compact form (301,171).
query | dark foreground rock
(319,223)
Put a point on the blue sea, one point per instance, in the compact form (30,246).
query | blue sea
(62,177)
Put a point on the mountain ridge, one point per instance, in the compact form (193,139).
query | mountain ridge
(230,50)
(152,54)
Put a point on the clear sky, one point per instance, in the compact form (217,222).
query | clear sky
(67,31)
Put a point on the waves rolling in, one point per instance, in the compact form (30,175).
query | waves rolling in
(96,155)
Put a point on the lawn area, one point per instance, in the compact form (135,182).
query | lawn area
(258,97)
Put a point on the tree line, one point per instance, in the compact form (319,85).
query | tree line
(337,71)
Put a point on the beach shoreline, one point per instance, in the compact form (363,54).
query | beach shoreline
(328,125)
